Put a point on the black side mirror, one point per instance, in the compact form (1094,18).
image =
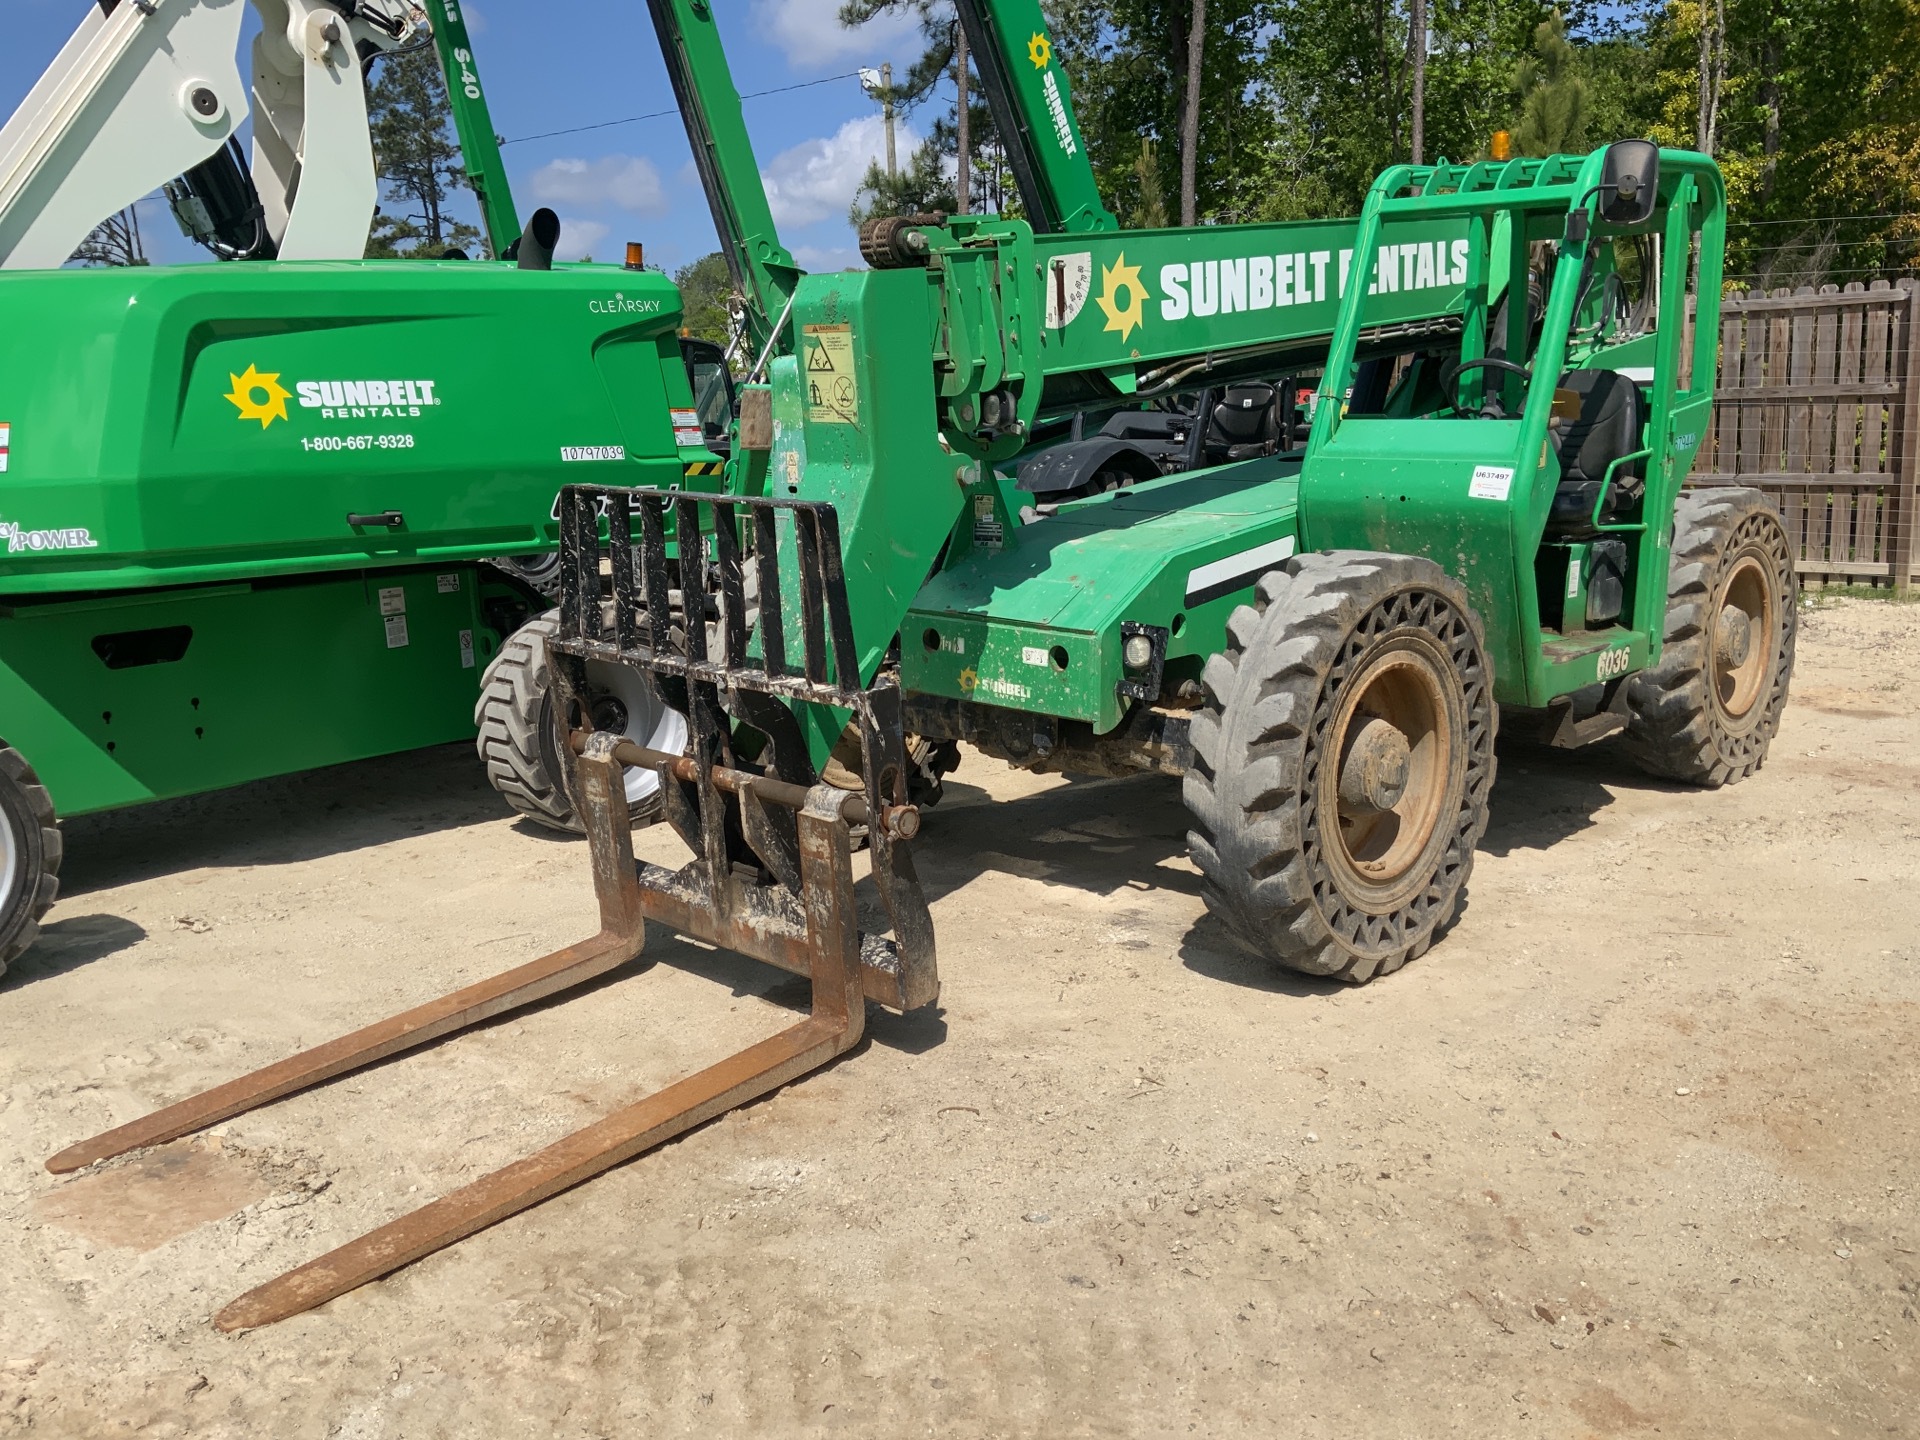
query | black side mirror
(1629,182)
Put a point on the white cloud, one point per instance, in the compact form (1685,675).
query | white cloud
(822,258)
(627,182)
(811,33)
(579,238)
(816,179)
(476,22)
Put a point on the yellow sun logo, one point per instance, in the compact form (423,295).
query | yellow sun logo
(1039,50)
(1115,278)
(969,678)
(271,404)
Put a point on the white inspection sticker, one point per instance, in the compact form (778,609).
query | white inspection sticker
(1491,482)
(447,584)
(466,649)
(1034,654)
(393,601)
(6,441)
(396,631)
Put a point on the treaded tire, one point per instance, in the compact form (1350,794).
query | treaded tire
(1687,720)
(30,851)
(1296,661)
(518,743)
(519,737)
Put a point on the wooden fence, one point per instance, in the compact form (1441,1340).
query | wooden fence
(1818,405)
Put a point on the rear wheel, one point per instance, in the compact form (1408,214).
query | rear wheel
(520,741)
(29,854)
(1708,711)
(1342,763)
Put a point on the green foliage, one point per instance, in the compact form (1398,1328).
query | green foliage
(919,187)
(704,286)
(1553,95)
(1816,126)
(1814,108)
(1128,63)
(418,160)
(1150,210)
(1337,74)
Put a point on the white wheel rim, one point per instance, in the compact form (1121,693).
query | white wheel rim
(650,721)
(12,859)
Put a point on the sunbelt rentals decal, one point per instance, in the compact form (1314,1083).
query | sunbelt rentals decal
(1040,52)
(1203,288)
(262,396)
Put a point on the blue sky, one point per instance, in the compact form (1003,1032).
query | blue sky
(549,66)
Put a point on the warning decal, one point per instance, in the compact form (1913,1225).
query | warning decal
(833,396)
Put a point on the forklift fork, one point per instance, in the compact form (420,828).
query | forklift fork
(795,909)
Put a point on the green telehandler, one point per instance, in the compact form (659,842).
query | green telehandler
(1298,513)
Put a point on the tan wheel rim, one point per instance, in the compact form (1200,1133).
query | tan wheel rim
(1388,815)
(1746,621)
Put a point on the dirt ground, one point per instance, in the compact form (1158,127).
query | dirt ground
(1632,1152)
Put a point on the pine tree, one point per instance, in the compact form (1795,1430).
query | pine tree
(1553,95)
(1150,213)
(418,159)
(921,186)
(114,241)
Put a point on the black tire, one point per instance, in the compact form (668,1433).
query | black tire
(1325,632)
(519,739)
(1698,716)
(30,849)
(541,572)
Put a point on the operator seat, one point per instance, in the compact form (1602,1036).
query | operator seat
(1244,423)
(1613,417)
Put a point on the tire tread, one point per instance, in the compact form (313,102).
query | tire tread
(1248,834)
(19,932)
(1672,731)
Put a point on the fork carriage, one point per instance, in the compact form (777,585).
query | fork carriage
(771,874)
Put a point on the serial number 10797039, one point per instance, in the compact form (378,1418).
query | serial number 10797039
(356,442)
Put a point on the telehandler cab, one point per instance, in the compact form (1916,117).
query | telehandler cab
(1043,486)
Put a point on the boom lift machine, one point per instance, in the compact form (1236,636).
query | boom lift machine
(244,508)
(1042,485)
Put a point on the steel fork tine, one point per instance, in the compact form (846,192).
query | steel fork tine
(621,936)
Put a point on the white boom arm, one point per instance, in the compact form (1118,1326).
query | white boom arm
(147,89)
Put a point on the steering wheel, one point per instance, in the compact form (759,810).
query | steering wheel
(1452,373)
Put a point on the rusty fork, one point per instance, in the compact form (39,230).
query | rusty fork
(826,946)
(772,869)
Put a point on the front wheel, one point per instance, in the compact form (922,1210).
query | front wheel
(1708,711)
(520,740)
(29,854)
(1342,763)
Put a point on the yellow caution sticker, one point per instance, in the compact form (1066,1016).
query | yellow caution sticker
(826,364)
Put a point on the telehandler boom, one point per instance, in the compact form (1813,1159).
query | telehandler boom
(1052,488)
